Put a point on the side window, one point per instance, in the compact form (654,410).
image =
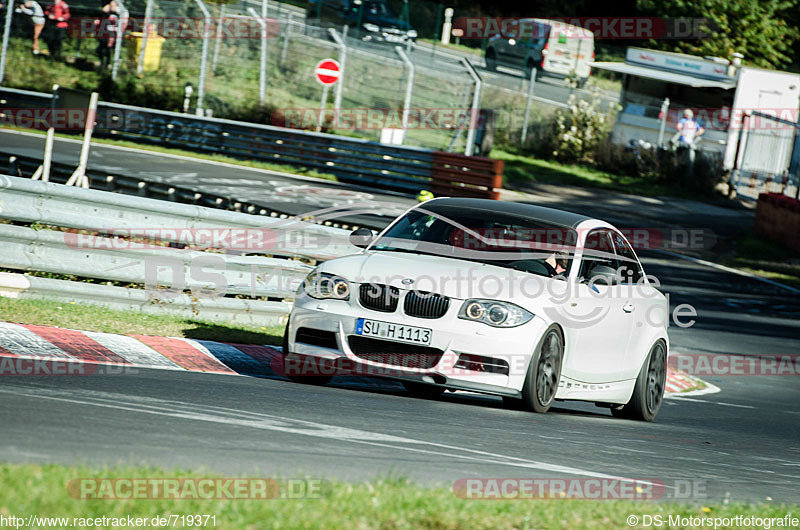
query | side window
(631,269)
(598,251)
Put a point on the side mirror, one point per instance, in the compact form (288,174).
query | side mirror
(362,237)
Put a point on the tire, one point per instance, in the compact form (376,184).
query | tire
(491,60)
(544,372)
(317,380)
(530,66)
(648,394)
(423,391)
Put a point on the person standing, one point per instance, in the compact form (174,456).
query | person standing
(59,14)
(106,32)
(34,10)
(689,131)
(688,128)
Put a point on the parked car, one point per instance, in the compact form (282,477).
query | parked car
(462,294)
(550,47)
(378,23)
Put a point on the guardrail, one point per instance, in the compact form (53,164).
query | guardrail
(138,240)
(230,310)
(24,166)
(353,160)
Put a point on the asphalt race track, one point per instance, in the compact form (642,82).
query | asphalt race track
(273,190)
(741,443)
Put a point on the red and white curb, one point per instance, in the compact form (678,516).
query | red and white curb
(44,344)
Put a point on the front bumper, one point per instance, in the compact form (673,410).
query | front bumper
(389,37)
(451,335)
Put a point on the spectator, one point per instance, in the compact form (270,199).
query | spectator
(688,129)
(106,32)
(34,10)
(59,14)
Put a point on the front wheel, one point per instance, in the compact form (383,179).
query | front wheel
(544,372)
(649,390)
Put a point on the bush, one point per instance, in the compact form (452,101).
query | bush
(578,130)
(580,134)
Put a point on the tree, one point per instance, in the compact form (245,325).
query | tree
(759,29)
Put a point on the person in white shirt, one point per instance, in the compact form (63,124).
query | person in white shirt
(34,10)
(688,128)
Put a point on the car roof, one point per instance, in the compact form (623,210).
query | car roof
(531,211)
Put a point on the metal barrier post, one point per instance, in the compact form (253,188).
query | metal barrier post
(78,178)
(122,19)
(148,14)
(409,87)
(342,59)
(322,103)
(262,67)
(6,34)
(531,84)
(286,31)
(476,101)
(201,88)
(663,126)
(48,143)
(215,56)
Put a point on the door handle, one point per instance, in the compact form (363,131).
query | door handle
(628,307)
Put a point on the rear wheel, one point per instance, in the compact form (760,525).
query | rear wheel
(423,391)
(491,60)
(530,66)
(649,390)
(544,372)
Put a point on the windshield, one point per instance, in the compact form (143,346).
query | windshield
(507,241)
(378,9)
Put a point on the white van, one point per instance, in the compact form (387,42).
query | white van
(551,47)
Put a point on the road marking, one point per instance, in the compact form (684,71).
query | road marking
(189,411)
(680,398)
(728,269)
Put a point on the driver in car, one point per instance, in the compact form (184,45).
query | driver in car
(559,261)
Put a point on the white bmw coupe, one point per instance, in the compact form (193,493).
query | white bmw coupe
(520,301)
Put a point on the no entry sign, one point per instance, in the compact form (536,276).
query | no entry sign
(328,72)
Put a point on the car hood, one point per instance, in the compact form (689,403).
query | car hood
(455,278)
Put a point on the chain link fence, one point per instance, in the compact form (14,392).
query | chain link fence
(212,58)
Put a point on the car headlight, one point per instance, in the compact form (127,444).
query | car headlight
(325,286)
(412,33)
(494,313)
(372,28)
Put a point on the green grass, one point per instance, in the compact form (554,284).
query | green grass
(390,503)
(453,46)
(765,258)
(95,318)
(520,171)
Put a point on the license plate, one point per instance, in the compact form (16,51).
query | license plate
(396,332)
(394,38)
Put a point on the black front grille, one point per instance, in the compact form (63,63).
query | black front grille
(316,337)
(394,353)
(425,305)
(379,297)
